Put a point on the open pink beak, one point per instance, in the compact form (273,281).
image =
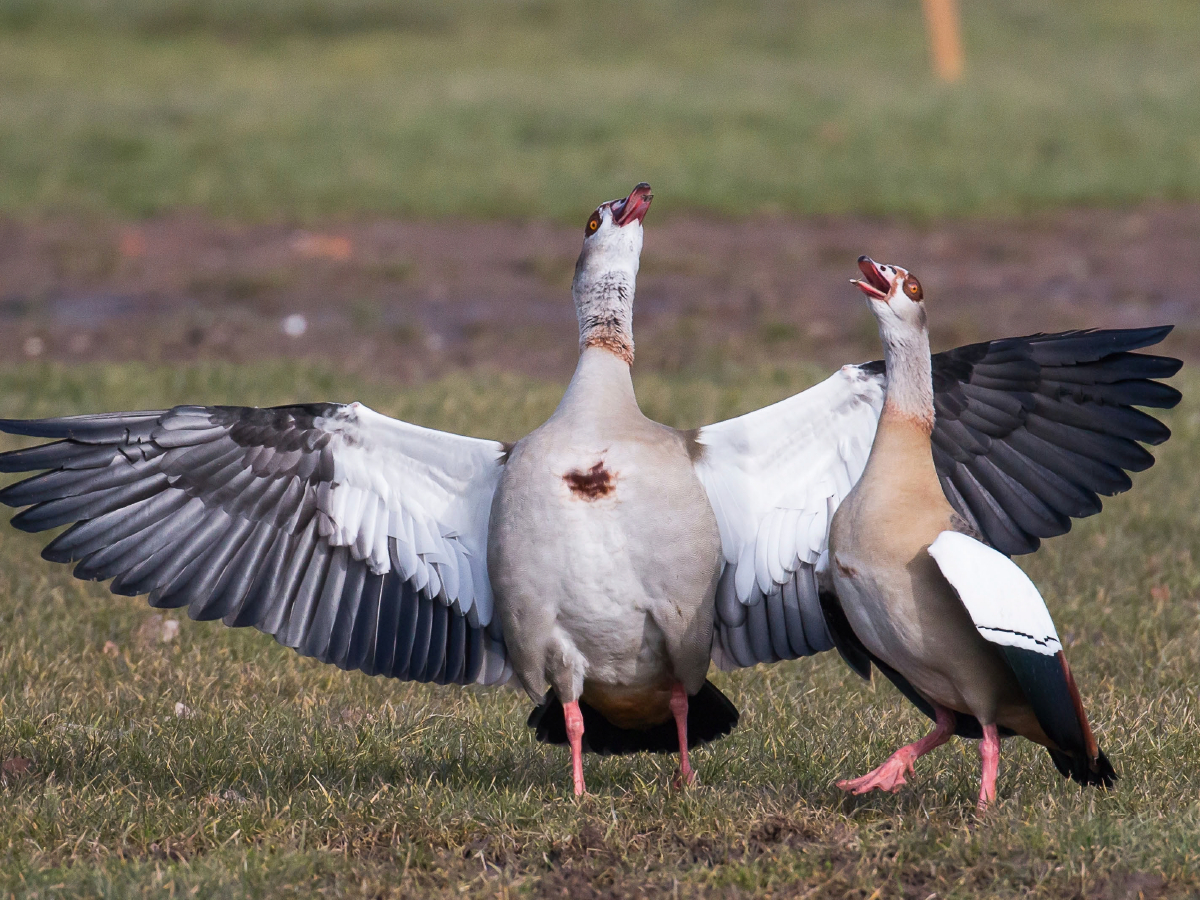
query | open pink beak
(873,284)
(634,207)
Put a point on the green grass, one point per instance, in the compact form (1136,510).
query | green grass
(303,109)
(295,779)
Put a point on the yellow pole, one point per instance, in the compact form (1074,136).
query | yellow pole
(945,37)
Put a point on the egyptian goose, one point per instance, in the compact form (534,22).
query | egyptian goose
(955,624)
(604,555)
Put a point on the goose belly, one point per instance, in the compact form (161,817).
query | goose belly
(605,594)
(910,618)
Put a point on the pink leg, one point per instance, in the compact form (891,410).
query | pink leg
(890,775)
(575,735)
(989,752)
(679,708)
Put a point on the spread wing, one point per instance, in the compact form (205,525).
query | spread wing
(348,536)
(1029,433)
(774,478)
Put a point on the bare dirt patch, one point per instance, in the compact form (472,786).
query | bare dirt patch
(403,300)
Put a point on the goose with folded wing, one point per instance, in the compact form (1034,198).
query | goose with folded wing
(604,556)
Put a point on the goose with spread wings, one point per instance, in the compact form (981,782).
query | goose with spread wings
(605,556)
(914,587)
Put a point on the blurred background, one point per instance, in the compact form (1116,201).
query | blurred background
(395,189)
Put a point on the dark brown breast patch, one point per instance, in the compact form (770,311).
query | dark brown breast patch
(593,484)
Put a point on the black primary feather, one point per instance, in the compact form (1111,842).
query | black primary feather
(1030,432)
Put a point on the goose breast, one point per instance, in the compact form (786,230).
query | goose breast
(604,555)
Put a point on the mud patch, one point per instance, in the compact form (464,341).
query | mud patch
(403,300)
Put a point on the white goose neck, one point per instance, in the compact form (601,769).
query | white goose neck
(604,306)
(909,390)
(603,289)
(602,384)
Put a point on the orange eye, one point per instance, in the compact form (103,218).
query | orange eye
(593,223)
(912,287)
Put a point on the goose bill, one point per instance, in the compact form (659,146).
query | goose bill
(874,284)
(635,206)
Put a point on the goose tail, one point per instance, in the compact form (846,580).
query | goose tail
(711,715)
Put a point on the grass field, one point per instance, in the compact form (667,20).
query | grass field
(282,777)
(304,109)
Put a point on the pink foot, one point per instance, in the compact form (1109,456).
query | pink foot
(890,775)
(989,752)
(679,707)
(575,735)
(887,777)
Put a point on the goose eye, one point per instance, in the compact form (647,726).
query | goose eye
(912,287)
(593,223)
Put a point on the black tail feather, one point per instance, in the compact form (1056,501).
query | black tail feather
(1087,772)
(711,715)
(1050,689)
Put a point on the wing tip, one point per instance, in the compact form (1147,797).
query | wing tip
(65,426)
(30,427)
(25,522)
(1170,396)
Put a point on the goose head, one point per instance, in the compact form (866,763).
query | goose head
(606,272)
(894,296)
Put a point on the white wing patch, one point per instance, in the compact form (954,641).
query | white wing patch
(1004,604)
(413,499)
(774,478)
